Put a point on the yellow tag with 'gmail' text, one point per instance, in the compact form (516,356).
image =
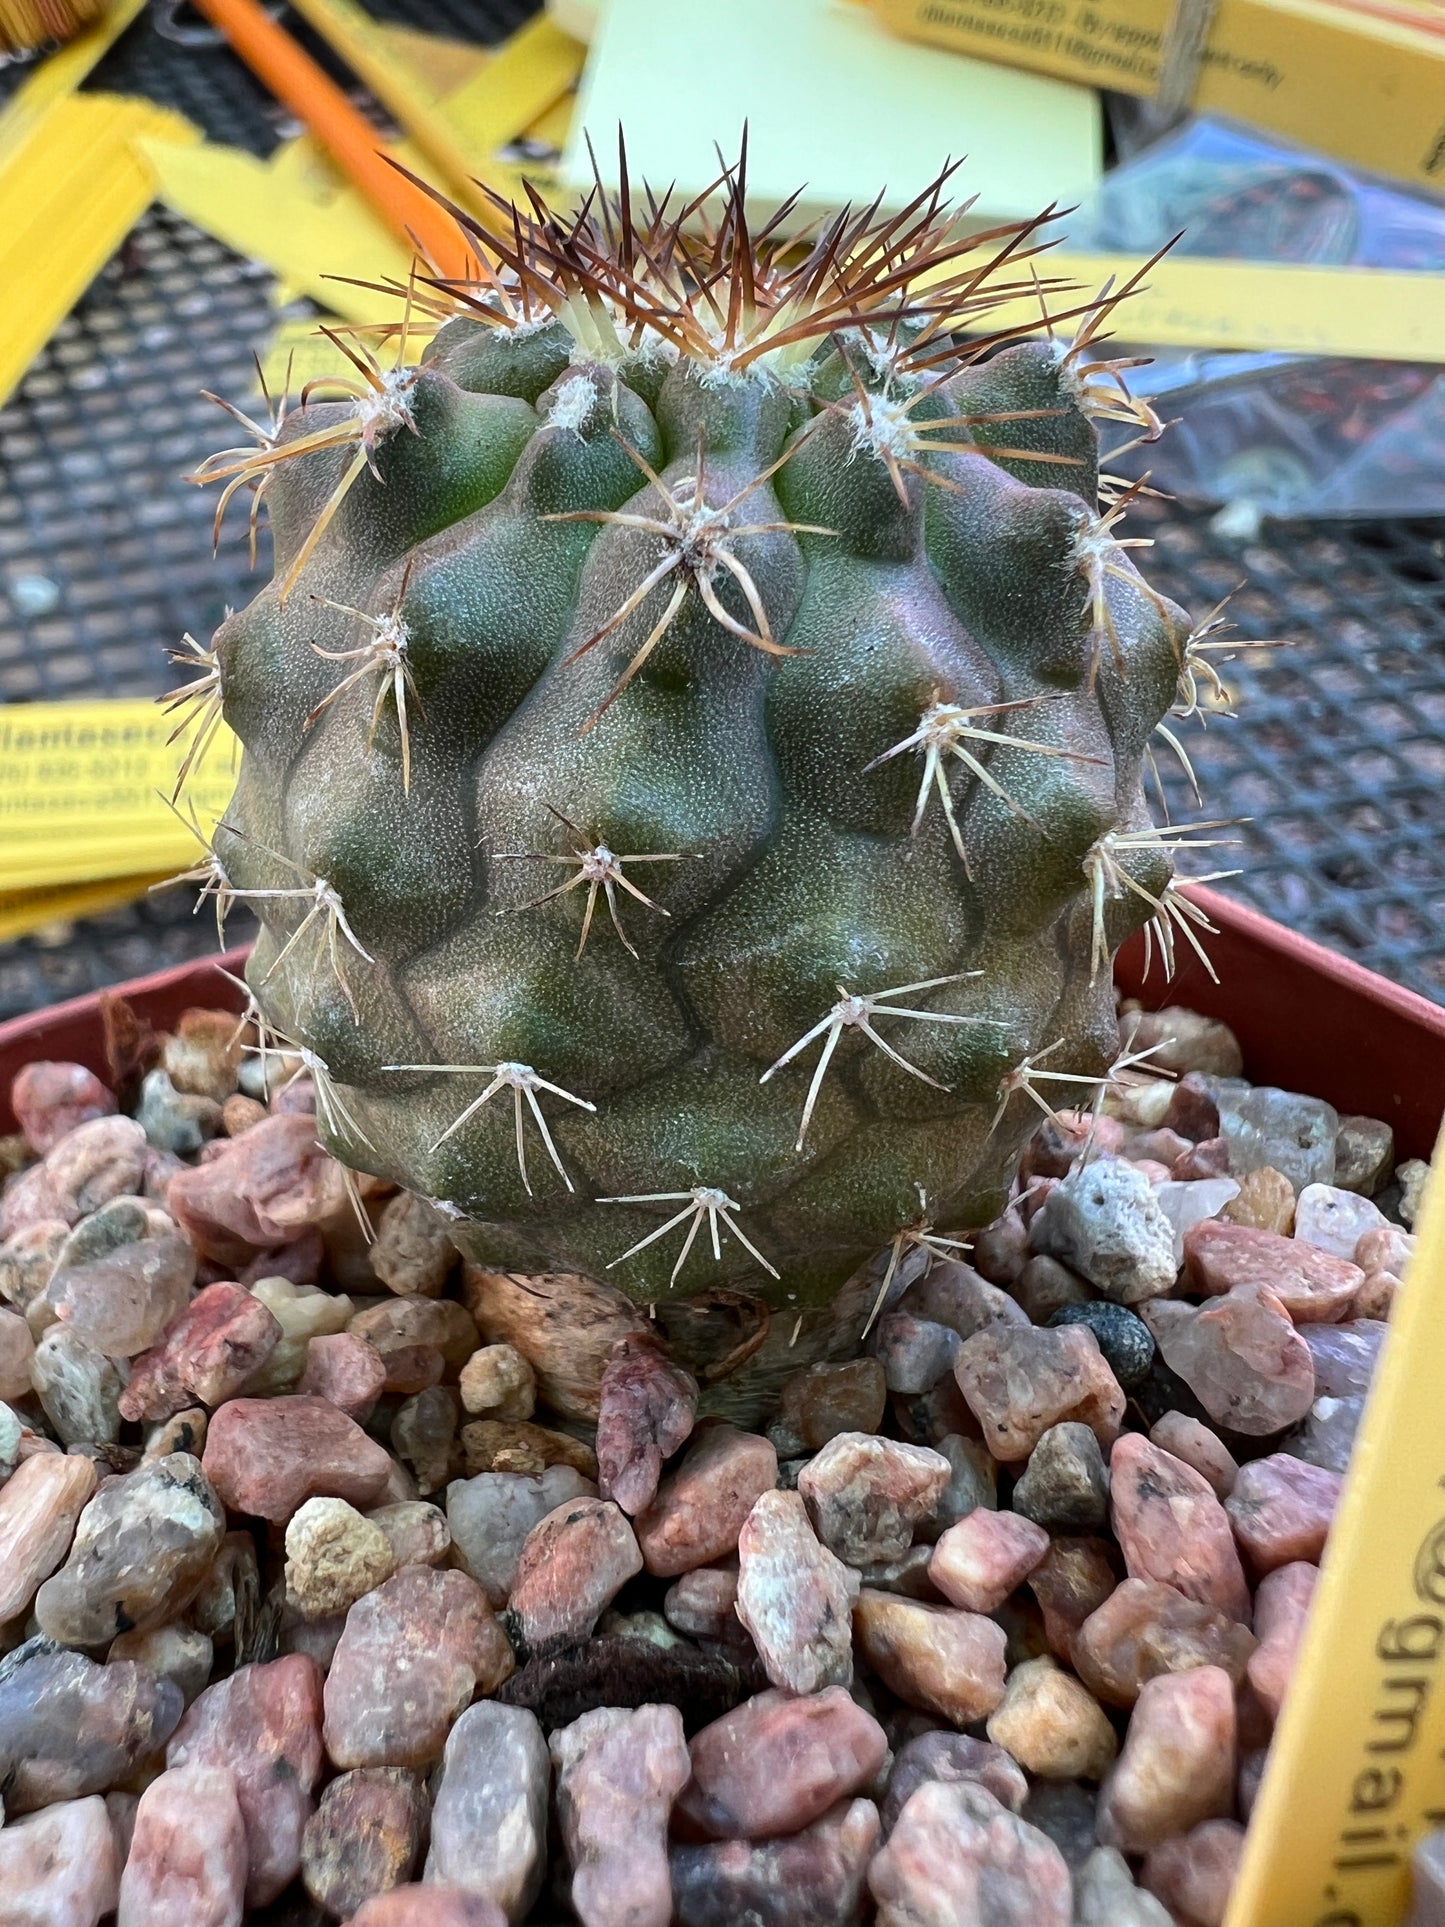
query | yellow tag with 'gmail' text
(83,789)
(1356,1772)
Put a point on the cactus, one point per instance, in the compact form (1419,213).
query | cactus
(693,749)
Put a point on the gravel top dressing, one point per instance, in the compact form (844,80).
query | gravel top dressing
(341,1581)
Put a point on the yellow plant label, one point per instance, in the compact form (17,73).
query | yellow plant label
(82,788)
(1189,302)
(1356,1773)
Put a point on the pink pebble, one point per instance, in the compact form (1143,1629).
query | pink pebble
(1172,1527)
(647,1409)
(96,1162)
(414,1652)
(700,1506)
(1177,1766)
(187,1864)
(59,1867)
(1281,1610)
(344,1370)
(1185,1438)
(432,1905)
(1313,1285)
(205,1356)
(795,1597)
(573,1564)
(50,1099)
(957,1858)
(1020,1381)
(265,1188)
(29,1198)
(777,1763)
(1281,1509)
(1194,1876)
(1384,1248)
(268,1456)
(263,1725)
(1207,1159)
(978,1562)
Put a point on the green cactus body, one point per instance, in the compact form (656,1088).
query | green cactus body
(747,696)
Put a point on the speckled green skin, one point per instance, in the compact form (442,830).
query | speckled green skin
(800,871)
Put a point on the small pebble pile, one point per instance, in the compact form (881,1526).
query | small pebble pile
(339,1583)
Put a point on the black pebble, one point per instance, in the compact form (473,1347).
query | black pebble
(1126,1341)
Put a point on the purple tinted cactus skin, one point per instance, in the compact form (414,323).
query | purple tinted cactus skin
(772,779)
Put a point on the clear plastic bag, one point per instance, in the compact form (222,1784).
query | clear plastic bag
(1284,435)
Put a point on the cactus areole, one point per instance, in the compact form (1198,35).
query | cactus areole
(694,747)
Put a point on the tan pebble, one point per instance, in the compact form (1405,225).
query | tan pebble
(175,1652)
(1376,1297)
(499,1383)
(364,1838)
(1052,1725)
(1070,1582)
(1265,1201)
(485,1440)
(1188,1041)
(240,1113)
(142,1548)
(181,1432)
(334,1556)
(825,1400)
(413,1253)
(565,1326)
(303,1312)
(934,1657)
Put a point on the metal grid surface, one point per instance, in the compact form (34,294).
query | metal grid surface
(1337,757)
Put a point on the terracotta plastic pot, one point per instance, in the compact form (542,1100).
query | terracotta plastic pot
(1307,1019)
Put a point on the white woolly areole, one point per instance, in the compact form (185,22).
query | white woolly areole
(572,402)
(885,427)
(383,410)
(882,353)
(527,325)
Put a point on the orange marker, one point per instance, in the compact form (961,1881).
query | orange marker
(295,79)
